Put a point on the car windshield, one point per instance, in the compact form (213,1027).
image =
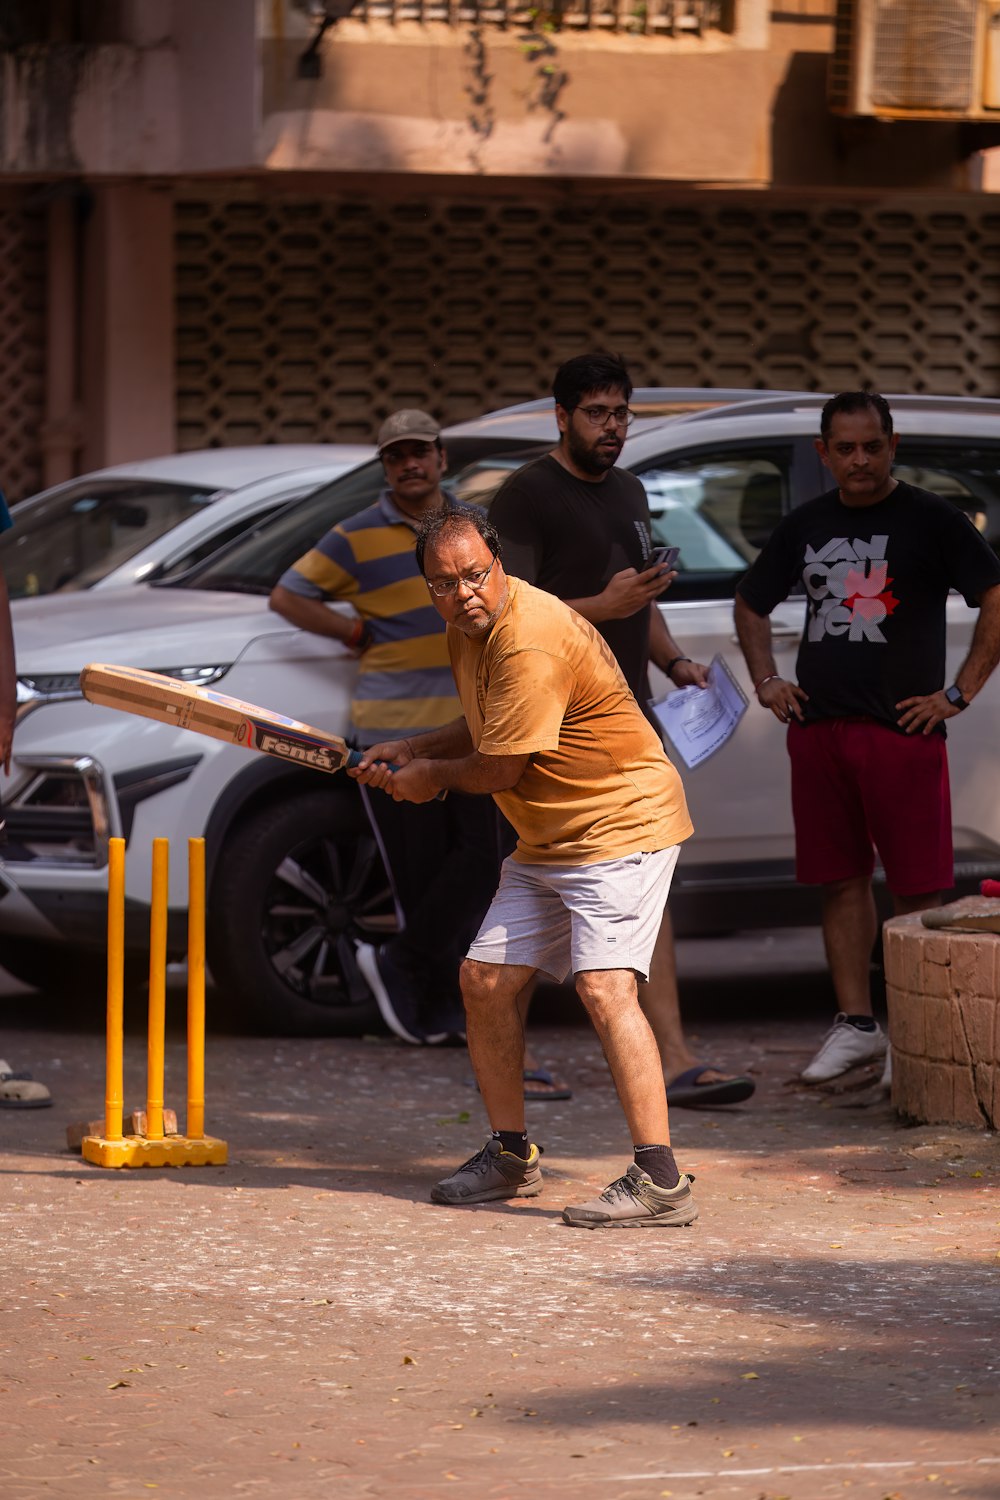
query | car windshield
(967,475)
(718,509)
(77,536)
(254,563)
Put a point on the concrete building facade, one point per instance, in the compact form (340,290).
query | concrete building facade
(219,225)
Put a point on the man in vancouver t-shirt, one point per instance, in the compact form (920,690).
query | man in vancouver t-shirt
(876,558)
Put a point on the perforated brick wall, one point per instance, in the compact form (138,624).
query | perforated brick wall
(22,345)
(305,319)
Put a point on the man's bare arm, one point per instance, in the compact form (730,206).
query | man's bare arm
(315,616)
(479,773)
(783,698)
(984,653)
(447,743)
(421,780)
(624,595)
(663,650)
(924,713)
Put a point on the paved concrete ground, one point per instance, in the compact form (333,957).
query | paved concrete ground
(305,1323)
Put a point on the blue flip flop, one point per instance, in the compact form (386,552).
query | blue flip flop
(685,1092)
(538,1096)
(542,1075)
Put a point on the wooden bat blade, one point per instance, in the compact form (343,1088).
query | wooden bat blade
(151,695)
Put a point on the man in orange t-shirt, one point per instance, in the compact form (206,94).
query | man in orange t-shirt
(551,730)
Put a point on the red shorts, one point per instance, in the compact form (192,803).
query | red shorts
(858,786)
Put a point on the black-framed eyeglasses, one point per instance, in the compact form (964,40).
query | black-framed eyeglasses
(447,588)
(600,416)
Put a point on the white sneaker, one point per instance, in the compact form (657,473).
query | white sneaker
(844,1047)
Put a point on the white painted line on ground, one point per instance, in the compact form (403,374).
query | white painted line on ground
(902,1463)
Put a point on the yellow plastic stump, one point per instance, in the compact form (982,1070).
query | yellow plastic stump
(157,1019)
(114,1068)
(155,1149)
(196,991)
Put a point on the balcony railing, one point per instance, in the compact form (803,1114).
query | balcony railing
(673,18)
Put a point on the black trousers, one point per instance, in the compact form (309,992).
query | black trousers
(443,859)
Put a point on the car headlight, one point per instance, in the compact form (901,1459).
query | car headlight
(62,687)
(48,685)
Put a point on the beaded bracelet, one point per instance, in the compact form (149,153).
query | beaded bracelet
(672,664)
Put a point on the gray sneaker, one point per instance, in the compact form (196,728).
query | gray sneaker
(491,1174)
(635,1202)
(844,1047)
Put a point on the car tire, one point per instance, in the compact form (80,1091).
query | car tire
(296,884)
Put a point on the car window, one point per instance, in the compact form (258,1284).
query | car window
(719,508)
(255,561)
(969,477)
(209,545)
(73,539)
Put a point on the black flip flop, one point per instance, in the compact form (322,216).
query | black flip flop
(685,1092)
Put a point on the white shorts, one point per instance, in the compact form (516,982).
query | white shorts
(570,918)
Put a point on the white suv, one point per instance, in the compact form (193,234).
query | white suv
(294,874)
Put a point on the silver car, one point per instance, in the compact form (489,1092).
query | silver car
(157,517)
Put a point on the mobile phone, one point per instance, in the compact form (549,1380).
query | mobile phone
(665,557)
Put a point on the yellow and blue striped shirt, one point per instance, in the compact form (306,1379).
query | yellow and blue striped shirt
(404,684)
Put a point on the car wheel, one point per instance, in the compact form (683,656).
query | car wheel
(295,886)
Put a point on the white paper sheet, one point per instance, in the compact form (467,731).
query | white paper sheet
(699,721)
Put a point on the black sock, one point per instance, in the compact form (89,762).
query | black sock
(514,1141)
(862,1023)
(658,1163)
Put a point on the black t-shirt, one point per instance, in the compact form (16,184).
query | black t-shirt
(570,537)
(876,580)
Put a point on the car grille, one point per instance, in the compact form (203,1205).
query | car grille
(58,813)
(63,809)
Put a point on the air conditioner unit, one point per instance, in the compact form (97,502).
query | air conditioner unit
(917,59)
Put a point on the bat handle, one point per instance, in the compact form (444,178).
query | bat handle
(355,757)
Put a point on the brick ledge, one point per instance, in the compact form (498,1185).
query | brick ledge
(942,989)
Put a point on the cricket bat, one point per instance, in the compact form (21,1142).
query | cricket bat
(153,696)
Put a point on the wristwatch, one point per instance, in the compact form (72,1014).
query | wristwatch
(954,697)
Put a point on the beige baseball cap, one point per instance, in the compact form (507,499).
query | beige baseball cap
(407,424)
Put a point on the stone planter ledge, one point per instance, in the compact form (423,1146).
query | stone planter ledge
(943,994)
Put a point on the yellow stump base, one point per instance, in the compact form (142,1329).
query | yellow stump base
(138,1151)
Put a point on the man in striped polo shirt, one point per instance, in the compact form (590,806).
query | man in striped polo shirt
(442,857)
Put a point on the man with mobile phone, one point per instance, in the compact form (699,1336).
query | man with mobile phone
(575,524)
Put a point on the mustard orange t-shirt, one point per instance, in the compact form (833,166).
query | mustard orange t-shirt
(543,683)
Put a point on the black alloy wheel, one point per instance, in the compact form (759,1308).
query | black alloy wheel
(296,886)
